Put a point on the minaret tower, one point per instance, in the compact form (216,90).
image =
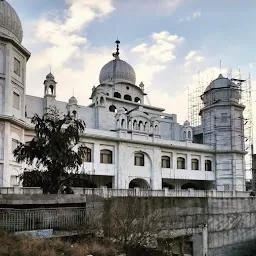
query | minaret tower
(223,130)
(13,59)
(49,91)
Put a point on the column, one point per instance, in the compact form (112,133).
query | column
(156,174)
(188,162)
(7,150)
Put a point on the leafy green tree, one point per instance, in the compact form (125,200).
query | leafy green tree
(55,148)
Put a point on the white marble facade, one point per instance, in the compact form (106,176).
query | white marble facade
(130,144)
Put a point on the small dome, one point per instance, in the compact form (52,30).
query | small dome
(10,24)
(186,123)
(121,110)
(72,100)
(123,72)
(50,76)
(220,82)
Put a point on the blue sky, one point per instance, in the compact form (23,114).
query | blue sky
(166,41)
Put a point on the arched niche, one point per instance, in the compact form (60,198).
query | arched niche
(166,184)
(112,108)
(137,100)
(189,185)
(139,183)
(128,97)
(117,95)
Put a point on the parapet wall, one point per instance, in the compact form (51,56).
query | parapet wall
(216,225)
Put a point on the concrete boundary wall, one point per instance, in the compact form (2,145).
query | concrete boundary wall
(108,193)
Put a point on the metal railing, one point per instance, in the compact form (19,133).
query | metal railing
(64,218)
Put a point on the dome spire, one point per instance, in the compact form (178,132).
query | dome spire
(116,54)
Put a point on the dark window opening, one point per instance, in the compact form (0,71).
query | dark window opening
(117,95)
(139,159)
(106,156)
(208,165)
(194,164)
(88,155)
(74,113)
(137,99)
(165,162)
(112,108)
(128,97)
(180,163)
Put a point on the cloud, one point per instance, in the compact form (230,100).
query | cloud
(60,44)
(192,57)
(153,57)
(191,17)
(172,4)
(149,7)
(161,51)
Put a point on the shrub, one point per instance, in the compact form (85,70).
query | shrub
(12,245)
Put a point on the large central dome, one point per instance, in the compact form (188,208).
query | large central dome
(117,70)
(10,24)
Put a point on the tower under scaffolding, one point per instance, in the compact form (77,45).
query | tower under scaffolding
(195,104)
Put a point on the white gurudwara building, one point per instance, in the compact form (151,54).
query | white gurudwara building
(129,144)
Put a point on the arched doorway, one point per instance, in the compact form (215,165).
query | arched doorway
(139,183)
(167,185)
(189,185)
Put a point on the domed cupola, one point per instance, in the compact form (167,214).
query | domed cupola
(72,101)
(221,89)
(10,24)
(117,71)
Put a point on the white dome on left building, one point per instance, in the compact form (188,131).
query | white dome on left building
(10,24)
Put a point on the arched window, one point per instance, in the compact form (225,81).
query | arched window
(140,125)
(137,99)
(194,164)
(16,100)
(106,156)
(101,101)
(123,123)
(180,163)
(167,185)
(112,108)
(146,127)
(117,95)
(184,135)
(156,128)
(128,97)
(208,165)
(74,113)
(139,159)
(50,91)
(165,162)
(88,155)
(135,125)
(189,134)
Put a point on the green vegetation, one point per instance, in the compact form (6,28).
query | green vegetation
(54,150)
